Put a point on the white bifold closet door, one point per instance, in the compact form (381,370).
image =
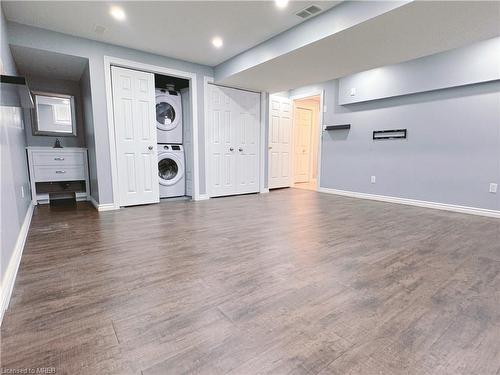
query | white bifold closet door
(280,142)
(135,133)
(233,124)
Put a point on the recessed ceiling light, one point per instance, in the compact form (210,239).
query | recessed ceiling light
(281,3)
(217,42)
(117,12)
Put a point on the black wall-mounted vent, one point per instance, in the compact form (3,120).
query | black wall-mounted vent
(337,127)
(389,134)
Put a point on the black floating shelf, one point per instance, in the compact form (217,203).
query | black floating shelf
(338,127)
(13,80)
(15,92)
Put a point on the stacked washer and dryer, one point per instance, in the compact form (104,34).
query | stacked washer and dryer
(169,128)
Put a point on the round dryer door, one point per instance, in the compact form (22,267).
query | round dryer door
(170,169)
(167,116)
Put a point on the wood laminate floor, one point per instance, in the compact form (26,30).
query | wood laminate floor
(291,282)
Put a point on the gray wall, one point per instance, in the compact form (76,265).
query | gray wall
(27,36)
(479,62)
(451,155)
(14,171)
(57,86)
(88,127)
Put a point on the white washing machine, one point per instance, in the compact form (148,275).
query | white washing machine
(168,116)
(171,170)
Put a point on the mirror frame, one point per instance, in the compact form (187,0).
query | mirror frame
(34,122)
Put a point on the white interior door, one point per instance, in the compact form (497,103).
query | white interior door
(233,125)
(135,129)
(280,145)
(302,144)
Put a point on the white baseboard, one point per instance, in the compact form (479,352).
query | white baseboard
(102,207)
(202,197)
(7,283)
(414,202)
(264,190)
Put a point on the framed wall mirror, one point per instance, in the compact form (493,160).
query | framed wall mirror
(54,115)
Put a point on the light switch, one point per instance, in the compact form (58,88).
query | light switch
(373,179)
(353,91)
(493,187)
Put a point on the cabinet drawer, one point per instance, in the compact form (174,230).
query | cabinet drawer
(55,173)
(58,158)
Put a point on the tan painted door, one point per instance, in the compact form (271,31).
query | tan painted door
(280,144)
(302,144)
(134,115)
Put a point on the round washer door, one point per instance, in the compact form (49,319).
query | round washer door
(170,169)
(167,113)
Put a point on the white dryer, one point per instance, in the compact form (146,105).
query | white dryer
(168,116)
(171,171)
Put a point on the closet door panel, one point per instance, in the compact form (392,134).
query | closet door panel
(233,141)
(248,146)
(222,136)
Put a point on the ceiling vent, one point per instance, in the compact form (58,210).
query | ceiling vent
(309,11)
(99,30)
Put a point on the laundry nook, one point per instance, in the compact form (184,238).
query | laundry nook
(153,136)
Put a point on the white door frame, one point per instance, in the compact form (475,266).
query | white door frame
(305,95)
(108,62)
(207,80)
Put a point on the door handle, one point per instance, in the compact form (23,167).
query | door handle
(150,148)
(58,158)
(60,171)
(231,149)
(240,149)
(270,147)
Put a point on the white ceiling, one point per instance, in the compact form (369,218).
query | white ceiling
(48,64)
(179,29)
(414,30)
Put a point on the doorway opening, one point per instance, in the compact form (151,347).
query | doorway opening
(305,145)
